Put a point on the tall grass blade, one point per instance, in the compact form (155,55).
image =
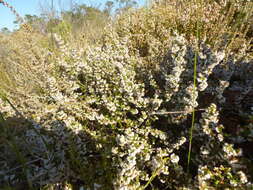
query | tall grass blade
(194,89)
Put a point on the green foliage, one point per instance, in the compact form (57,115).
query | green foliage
(63,28)
(5,30)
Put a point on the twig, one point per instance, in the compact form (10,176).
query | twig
(175,112)
(14,108)
(13,10)
(27,163)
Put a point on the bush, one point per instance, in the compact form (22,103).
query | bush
(117,115)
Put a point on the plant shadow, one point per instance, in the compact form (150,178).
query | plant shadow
(48,156)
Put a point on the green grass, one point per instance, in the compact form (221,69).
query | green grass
(194,90)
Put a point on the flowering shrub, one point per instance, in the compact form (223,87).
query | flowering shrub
(108,120)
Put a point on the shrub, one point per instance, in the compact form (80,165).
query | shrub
(117,115)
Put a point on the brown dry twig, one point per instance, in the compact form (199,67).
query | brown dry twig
(176,112)
(13,10)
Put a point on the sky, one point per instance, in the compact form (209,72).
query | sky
(35,7)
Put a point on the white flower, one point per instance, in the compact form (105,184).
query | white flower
(121,140)
(206,177)
(205,151)
(220,137)
(174,158)
(243,177)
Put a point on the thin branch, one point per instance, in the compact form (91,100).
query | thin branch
(27,163)
(175,112)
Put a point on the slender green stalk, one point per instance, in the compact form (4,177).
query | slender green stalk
(193,116)
(155,173)
(5,99)
(194,90)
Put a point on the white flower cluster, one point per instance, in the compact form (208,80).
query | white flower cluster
(209,173)
(222,177)
(173,66)
(134,152)
(177,70)
(98,119)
